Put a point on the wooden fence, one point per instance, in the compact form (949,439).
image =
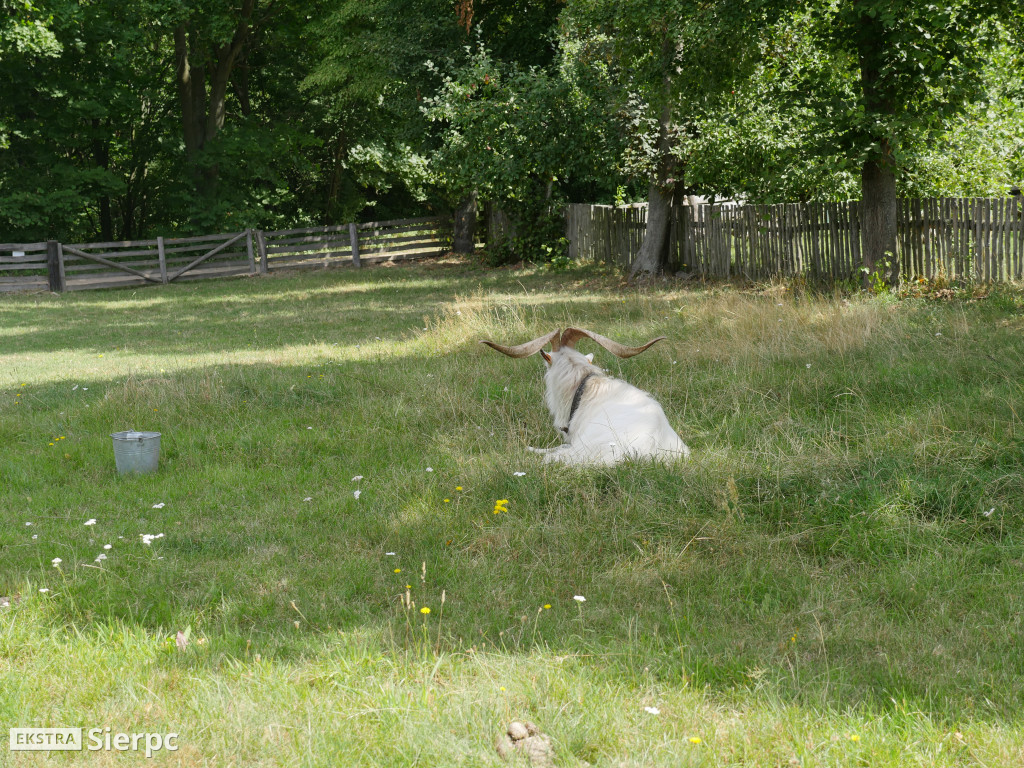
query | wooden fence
(81,266)
(970,239)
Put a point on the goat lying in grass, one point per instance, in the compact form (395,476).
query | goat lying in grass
(603,420)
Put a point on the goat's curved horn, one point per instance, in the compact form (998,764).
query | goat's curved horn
(527,348)
(571,335)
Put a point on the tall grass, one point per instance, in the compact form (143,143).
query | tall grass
(832,579)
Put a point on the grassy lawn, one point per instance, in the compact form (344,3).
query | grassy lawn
(835,578)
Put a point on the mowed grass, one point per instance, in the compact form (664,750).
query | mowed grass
(834,578)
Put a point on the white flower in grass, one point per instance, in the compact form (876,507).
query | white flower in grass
(100,557)
(28,523)
(357,478)
(390,554)
(159,506)
(519,474)
(356,493)
(108,546)
(91,521)
(989,513)
(652,710)
(430,469)
(35,535)
(308,498)
(44,590)
(808,365)
(56,561)
(579,598)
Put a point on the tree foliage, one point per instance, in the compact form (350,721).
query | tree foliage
(127,118)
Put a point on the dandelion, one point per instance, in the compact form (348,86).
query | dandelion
(695,740)
(502,688)
(424,610)
(547,606)
(579,598)
(447,501)
(458,487)
(652,710)
(398,570)
(854,737)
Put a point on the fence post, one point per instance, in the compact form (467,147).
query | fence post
(54,273)
(353,237)
(162,256)
(261,247)
(248,251)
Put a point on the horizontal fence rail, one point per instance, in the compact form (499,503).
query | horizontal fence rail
(82,266)
(969,239)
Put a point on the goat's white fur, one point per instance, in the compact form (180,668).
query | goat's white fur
(614,420)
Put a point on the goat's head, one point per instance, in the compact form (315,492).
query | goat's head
(566,367)
(562,341)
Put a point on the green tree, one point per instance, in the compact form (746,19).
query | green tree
(520,138)
(677,62)
(918,67)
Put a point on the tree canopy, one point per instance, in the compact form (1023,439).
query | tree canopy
(122,119)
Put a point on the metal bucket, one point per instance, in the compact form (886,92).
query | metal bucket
(136,452)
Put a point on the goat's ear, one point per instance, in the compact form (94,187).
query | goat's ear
(546,356)
(590,357)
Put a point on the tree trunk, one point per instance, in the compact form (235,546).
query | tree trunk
(650,257)
(878,174)
(203,113)
(878,219)
(465,225)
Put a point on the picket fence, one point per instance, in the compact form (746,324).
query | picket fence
(969,239)
(61,267)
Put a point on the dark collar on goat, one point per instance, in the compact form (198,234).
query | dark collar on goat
(576,401)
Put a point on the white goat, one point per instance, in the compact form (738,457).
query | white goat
(603,420)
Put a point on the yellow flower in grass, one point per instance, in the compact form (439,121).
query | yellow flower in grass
(424,610)
(398,570)
(695,740)
(547,606)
